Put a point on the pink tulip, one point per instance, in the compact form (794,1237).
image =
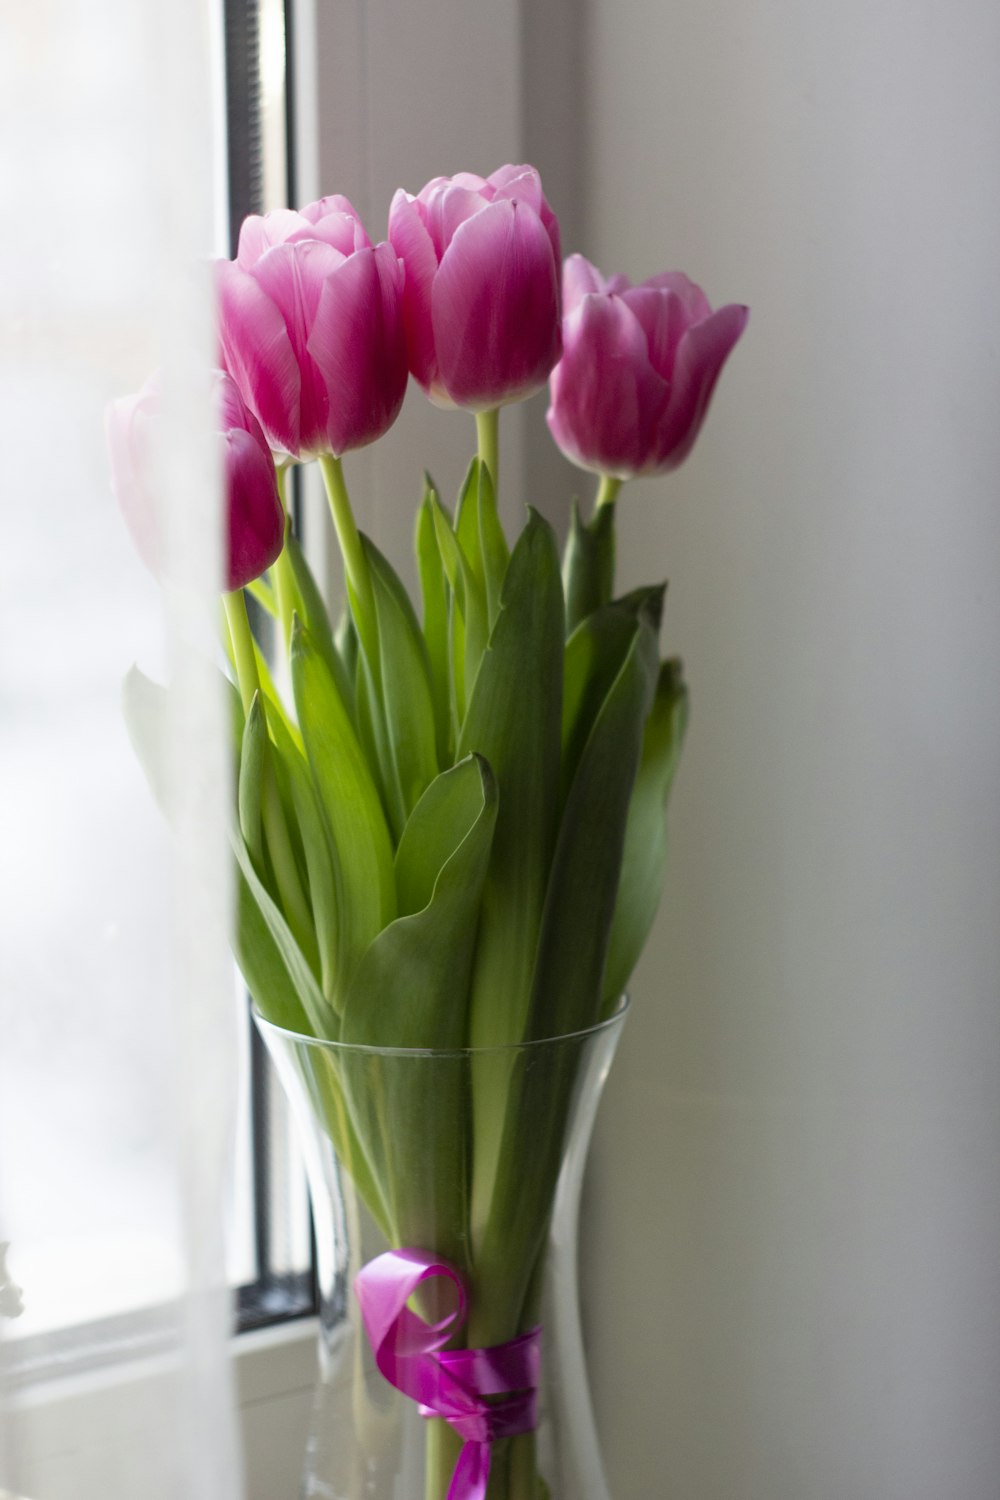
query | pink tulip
(481,303)
(311,328)
(638,369)
(255,518)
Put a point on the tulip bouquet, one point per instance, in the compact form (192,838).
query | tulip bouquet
(452,836)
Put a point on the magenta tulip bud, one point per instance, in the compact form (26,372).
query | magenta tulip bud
(254,514)
(310,323)
(638,369)
(481,303)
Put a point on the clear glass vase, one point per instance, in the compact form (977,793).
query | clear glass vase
(474,1158)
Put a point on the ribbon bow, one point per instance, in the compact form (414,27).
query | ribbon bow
(448,1383)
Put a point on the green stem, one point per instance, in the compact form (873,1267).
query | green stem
(441,1455)
(359,581)
(607,493)
(488,435)
(279,842)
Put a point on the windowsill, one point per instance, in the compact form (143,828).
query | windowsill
(77,1433)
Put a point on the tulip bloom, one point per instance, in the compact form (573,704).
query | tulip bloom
(638,369)
(255,519)
(310,323)
(481,303)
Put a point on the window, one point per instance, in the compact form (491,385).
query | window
(87,1190)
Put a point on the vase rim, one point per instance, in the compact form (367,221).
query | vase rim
(608,1023)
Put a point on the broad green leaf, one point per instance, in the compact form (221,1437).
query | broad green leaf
(318,854)
(588,564)
(252,753)
(145,707)
(345,638)
(492,543)
(320,1018)
(365,892)
(434,593)
(644,857)
(403,717)
(595,653)
(514,720)
(436,828)
(467,523)
(408,988)
(316,618)
(408,991)
(267,970)
(580,900)
(272,697)
(469,616)
(510,1224)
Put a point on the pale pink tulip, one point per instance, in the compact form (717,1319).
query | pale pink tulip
(481,303)
(310,323)
(255,520)
(638,369)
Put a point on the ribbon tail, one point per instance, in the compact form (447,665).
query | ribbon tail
(472,1473)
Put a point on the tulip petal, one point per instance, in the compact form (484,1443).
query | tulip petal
(335,220)
(701,354)
(448,210)
(664,319)
(495,307)
(412,242)
(606,396)
(258,355)
(359,348)
(524,185)
(293,276)
(256,519)
(259,232)
(129,448)
(693,299)
(521,183)
(579,278)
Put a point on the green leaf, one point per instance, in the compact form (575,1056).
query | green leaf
(351,808)
(644,857)
(408,988)
(252,754)
(263,958)
(513,720)
(317,852)
(580,899)
(403,718)
(492,542)
(316,618)
(144,707)
(588,564)
(469,615)
(467,523)
(434,593)
(276,974)
(595,653)
(407,992)
(440,821)
(265,972)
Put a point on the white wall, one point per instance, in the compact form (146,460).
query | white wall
(794,1254)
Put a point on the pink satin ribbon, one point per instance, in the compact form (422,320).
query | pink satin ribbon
(448,1383)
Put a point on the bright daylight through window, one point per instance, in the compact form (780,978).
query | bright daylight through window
(87,1180)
